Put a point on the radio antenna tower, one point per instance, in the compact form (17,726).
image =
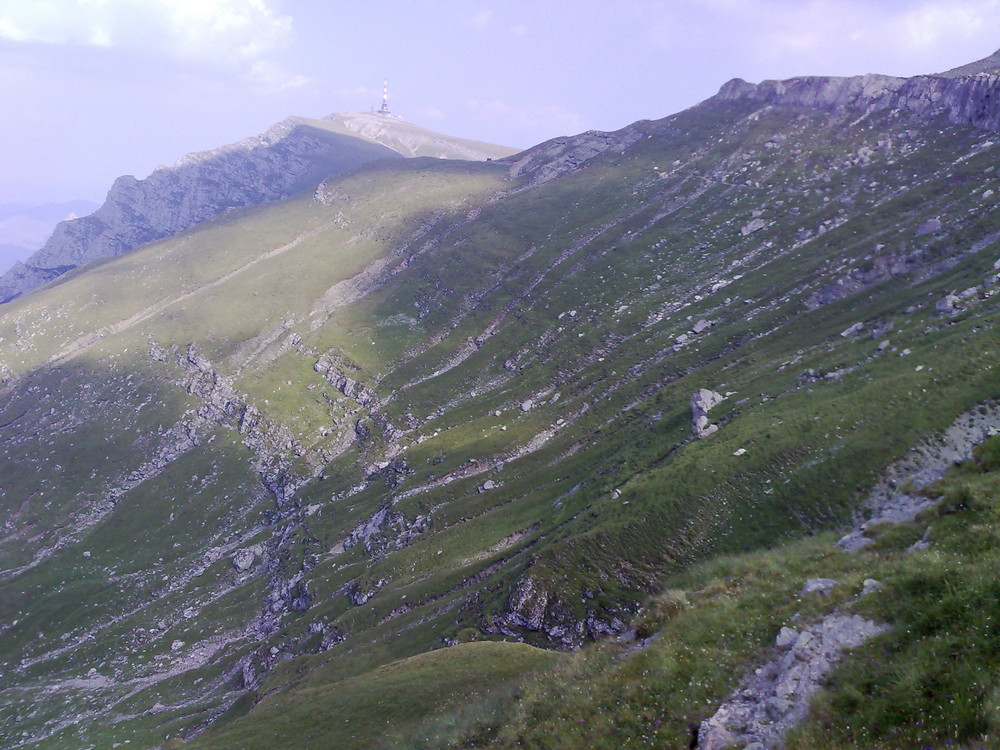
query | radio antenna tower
(385,98)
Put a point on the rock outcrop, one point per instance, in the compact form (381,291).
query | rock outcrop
(702,401)
(776,696)
(896,498)
(560,156)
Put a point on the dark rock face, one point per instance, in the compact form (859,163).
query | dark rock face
(287,159)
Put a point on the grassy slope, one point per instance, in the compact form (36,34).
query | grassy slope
(116,598)
(577,288)
(682,486)
(810,450)
(928,682)
(712,624)
(389,706)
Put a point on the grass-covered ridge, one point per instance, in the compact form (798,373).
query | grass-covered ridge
(932,680)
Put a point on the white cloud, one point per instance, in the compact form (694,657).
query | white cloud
(920,35)
(273,77)
(100,37)
(12,32)
(482,19)
(845,36)
(239,34)
(936,23)
(356,91)
(246,28)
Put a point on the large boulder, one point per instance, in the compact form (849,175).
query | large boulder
(702,401)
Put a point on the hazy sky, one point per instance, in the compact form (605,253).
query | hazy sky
(92,89)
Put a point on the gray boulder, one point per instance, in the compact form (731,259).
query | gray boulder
(702,401)
(244,559)
(947,305)
(818,586)
(929,227)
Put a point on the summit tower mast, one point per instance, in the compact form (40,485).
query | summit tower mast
(385,98)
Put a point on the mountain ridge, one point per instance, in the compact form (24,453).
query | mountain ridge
(988,64)
(964,97)
(290,156)
(409,139)
(24,228)
(966,100)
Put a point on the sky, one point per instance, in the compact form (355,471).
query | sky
(93,89)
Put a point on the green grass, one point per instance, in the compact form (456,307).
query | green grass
(934,679)
(931,681)
(619,695)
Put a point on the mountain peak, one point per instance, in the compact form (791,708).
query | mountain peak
(406,138)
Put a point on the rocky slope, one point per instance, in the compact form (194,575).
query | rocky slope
(432,401)
(989,64)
